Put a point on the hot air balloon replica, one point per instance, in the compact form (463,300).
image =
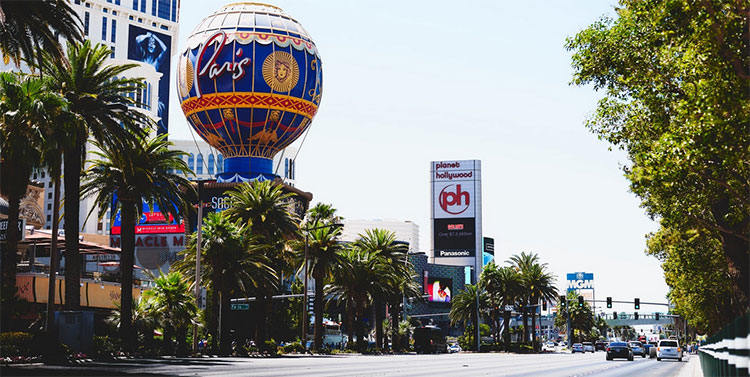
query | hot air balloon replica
(249,83)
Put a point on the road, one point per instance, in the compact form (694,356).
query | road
(462,364)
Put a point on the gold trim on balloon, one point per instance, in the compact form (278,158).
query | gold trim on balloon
(250,100)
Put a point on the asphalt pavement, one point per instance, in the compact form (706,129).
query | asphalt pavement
(461,364)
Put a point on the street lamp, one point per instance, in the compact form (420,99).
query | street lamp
(304,301)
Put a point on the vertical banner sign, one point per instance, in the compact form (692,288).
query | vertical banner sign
(582,283)
(152,48)
(457,213)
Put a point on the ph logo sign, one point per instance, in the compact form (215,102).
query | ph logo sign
(454,200)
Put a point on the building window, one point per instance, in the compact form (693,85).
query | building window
(117,2)
(220,164)
(112,54)
(191,162)
(114,12)
(211,164)
(86,23)
(105,10)
(49,195)
(199,163)
(153,7)
(49,207)
(135,4)
(131,18)
(174,10)
(43,174)
(143,6)
(99,226)
(286,168)
(50,184)
(78,2)
(164,27)
(164,9)
(114,31)
(49,218)
(104,29)
(34,176)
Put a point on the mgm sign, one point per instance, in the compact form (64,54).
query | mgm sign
(582,283)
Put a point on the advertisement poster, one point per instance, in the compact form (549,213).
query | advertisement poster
(439,289)
(454,237)
(153,48)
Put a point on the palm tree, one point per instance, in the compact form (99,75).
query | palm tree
(232,262)
(97,96)
(174,307)
(28,28)
(356,280)
(322,212)
(27,111)
(541,286)
(143,320)
(323,248)
(523,263)
(264,208)
(134,171)
(383,242)
(504,283)
(464,305)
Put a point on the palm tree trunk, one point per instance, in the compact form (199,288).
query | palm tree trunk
(9,261)
(350,324)
(225,342)
(506,330)
(127,259)
(533,329)
(53,261)
(182,349)
(168,344)
(361,345)
(395,317)
(318,309)
(72,182)
(525,317)
(379,309)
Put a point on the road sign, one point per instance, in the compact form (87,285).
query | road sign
(240,306)
(4,229)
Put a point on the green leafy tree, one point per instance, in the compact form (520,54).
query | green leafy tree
(134,171)
(524,263)
(97,95)
(233,262)
(581,318)
(29,28)
(174,307)
(324,245)
(676,84)
(464,305)
(541,286)
(504,286)
(264,209)
(28,110)
(143,320)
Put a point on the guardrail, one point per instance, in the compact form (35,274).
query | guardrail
(727,353)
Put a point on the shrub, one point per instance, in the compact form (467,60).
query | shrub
(104,347)
(16,344)
(294,347)
(268,347)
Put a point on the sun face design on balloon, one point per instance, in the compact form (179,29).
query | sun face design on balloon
(280,70)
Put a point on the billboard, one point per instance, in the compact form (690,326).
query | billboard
(457,212)
(582,283)
(152,48)
(439,289)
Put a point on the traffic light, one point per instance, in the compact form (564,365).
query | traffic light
(635,316)
(657,316)
(609,302)
(563,301)
(544,304)
(637,304)
(580,301)
(614,315)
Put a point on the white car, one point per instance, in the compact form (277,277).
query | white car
(454,348)
(548,347)
(668,349)
(588,347)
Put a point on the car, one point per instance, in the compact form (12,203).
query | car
(600,345)
(619,350)
(549,347)
(577,347)
(454,348)
(588,347)
(652,349)
(637,348)
(668,349)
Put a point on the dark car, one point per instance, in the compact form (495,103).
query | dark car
(619,350)
(429,339)
(637,348)
(600,346)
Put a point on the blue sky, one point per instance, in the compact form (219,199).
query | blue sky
(406,83)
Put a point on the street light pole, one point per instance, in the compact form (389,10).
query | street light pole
(304,301)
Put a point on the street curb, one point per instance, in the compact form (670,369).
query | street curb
(693,367)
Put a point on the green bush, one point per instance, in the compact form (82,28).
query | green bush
(16,344)
(268,347)
(294,347)
(104,347)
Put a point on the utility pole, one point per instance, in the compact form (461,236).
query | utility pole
(198,263)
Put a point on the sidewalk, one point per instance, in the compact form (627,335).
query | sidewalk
(693,367)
